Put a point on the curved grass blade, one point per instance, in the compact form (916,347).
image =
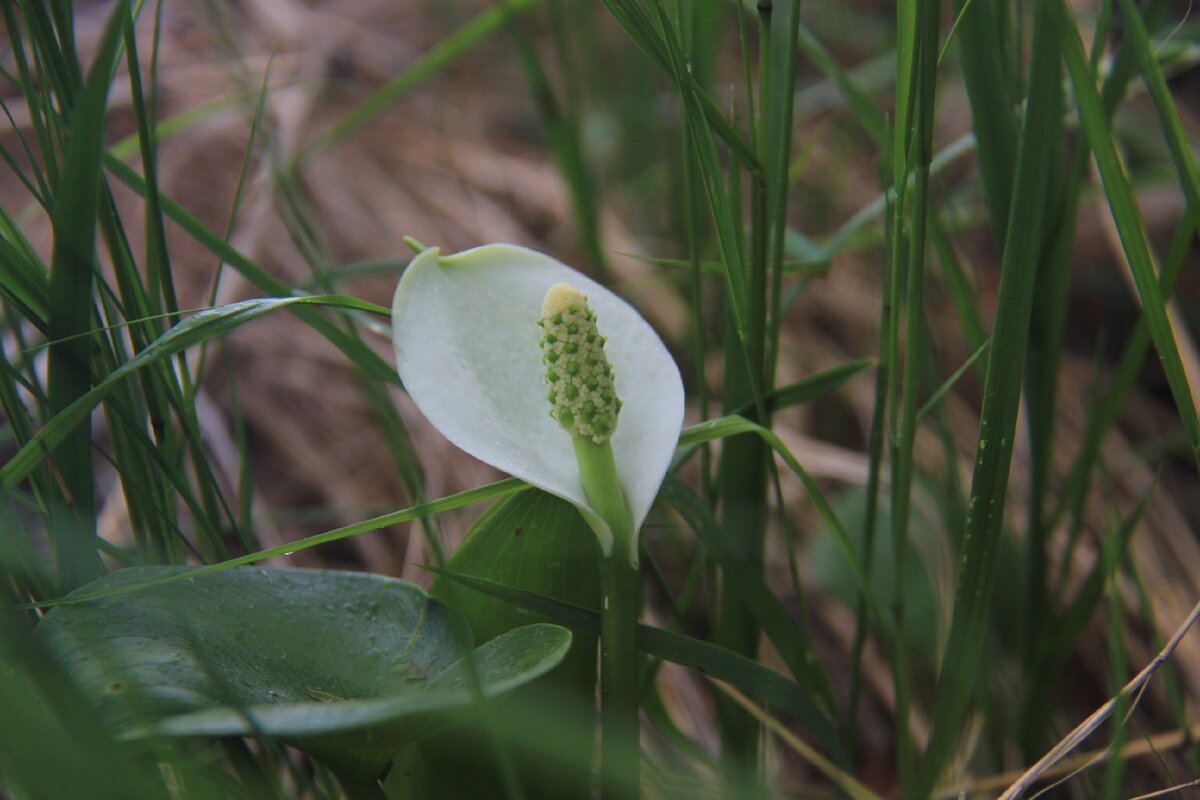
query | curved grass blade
(1132,233)
(192,331)
(490,491)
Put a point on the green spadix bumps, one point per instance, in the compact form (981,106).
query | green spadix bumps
(579,376)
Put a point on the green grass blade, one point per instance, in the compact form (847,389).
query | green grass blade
(723,427)
(875,457)
(1109,404)
(158,263)
(948,384)
(1081,607)
(23,279)
(811,387)
(912,153)
(37,93)
(1168,115)
(41,192)
(777,96)
(20,563)
(1002,391)
(491,491)
(989,83)
(1130,230)
(76,198)
(1048,328)
(654,36)
(560,120)
(727,225)
(189,333)
(962,293)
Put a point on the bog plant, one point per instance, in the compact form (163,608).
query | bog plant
(466,331)
(174,665)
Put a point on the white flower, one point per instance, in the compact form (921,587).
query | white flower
(466,337)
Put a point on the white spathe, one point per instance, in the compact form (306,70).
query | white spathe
(465,331)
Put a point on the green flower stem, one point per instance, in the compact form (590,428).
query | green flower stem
(598,472)
(619,605)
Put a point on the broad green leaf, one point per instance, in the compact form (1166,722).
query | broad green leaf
(531,541)
(537,543)
(346,666)
(50,743)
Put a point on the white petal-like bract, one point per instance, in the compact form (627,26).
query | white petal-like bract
(466,337)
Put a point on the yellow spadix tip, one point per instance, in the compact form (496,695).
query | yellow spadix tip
(559,298)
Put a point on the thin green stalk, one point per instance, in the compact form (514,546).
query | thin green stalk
(1048,325)
(564,122)
(875,441)
(76,198)
(778,89)
(584,403)
(691,222)
(751,351)
(619,604)
(913,153)
(620,753)
(742,472)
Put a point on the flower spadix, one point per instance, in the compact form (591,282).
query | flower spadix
(578,372)
(467,350)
